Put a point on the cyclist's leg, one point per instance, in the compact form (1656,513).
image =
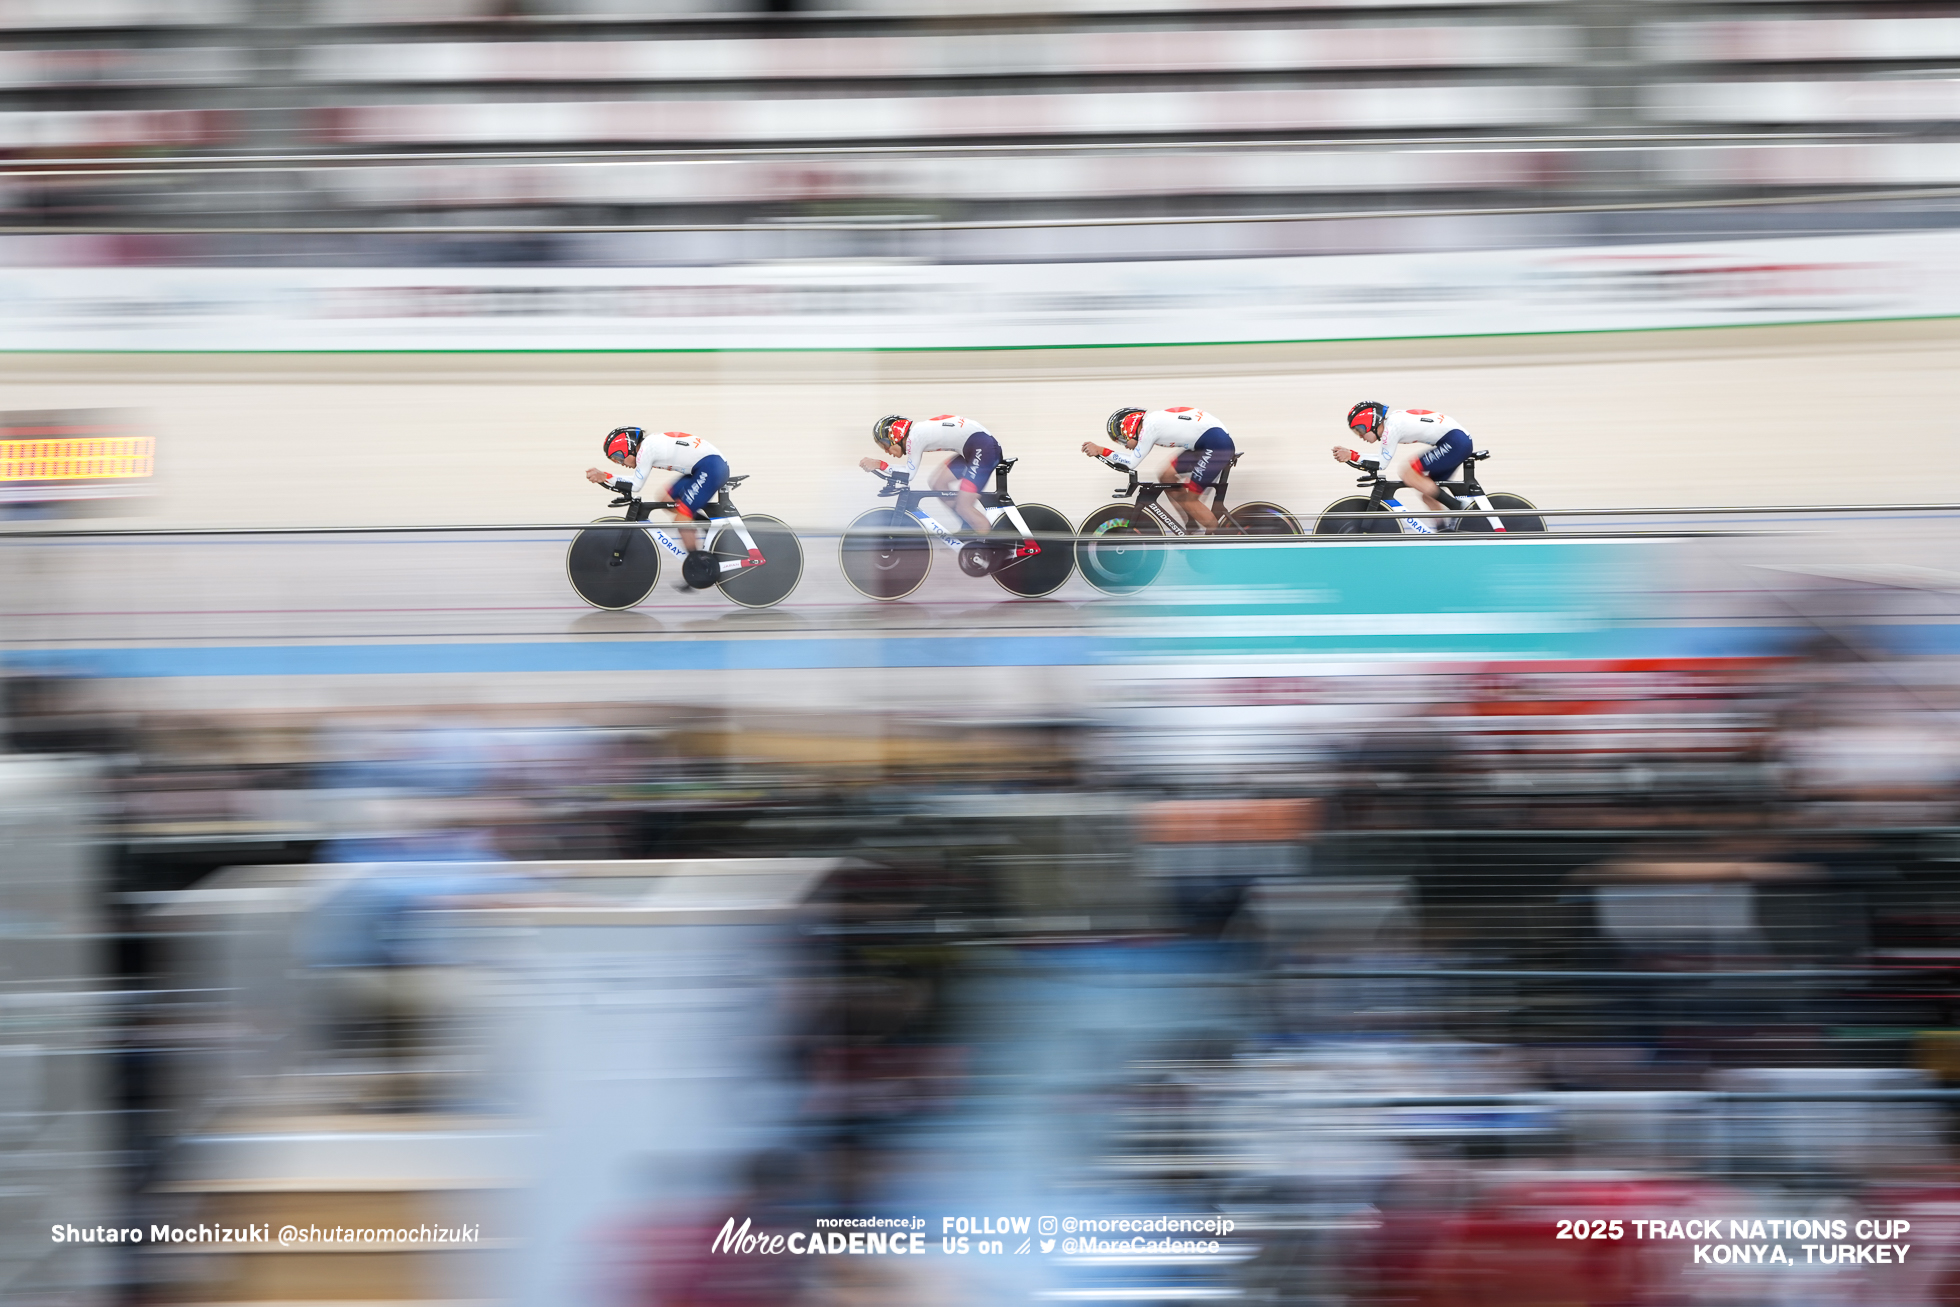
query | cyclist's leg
(1443,458)
(969,470)
(1194,469)
(946,477)
(692,492)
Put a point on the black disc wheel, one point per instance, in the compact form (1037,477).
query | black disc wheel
(1514,521)
(613,567)
(1251,519)
(769,582)
(1116,551)
(1043,573)
(885,555)
(1378,523)
(1261,519)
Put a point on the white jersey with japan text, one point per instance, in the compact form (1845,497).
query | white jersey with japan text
(947,431)
(668,451)
(1409,426)
(1177,428)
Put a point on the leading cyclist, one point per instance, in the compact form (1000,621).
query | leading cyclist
(1447,445)
(1204,452)
(701,467)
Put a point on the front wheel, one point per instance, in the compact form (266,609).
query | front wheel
(613,567)
(1047,571)
(1376,524)
(884,555)
(1111,552)
(1506,506)
(770,581)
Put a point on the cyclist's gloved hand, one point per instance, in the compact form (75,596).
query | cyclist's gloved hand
(598,478)
(1093,450)
(1342,454)
(874,464)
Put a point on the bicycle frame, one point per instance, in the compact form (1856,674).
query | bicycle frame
(1465,496)
(1148,493)
(722,516)
(996,503)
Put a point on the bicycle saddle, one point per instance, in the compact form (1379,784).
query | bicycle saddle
(1005,465)
(732,482)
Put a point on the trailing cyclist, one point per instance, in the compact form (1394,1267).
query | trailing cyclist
(976,453)
(1204,452)
(701,467)
(1445,445)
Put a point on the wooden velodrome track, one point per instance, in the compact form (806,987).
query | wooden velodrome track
(1855,414)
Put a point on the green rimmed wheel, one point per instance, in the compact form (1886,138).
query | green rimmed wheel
(1119,549)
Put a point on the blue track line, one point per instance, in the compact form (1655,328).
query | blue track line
(557,656)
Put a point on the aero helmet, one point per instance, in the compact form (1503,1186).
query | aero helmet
(889,433)
(622,442)
(1367,416)
(1125,422)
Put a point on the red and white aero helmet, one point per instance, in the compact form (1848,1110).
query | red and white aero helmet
(889,433)
(1367,417)
(621,442)
(1125,422)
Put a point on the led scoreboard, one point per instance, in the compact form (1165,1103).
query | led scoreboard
(71,455)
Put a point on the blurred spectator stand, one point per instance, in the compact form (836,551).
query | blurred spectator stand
(1210,853)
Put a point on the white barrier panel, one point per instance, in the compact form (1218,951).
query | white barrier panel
(842,305)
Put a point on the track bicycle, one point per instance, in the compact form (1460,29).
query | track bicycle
(1495,514)
(1113,547)
(887,552)
(756,560)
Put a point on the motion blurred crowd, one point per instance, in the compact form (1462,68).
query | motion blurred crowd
(1456,948)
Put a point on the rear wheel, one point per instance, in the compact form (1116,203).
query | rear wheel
(884,555)
(613,567)
(1114,552)
(777,575)
(1376,524)
(1248,519)
(1047,571)
(1506,506)
(1262,519)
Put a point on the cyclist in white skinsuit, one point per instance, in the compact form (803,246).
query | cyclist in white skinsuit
(1443,441)
(703,470)
(1205,452)
(975,455)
